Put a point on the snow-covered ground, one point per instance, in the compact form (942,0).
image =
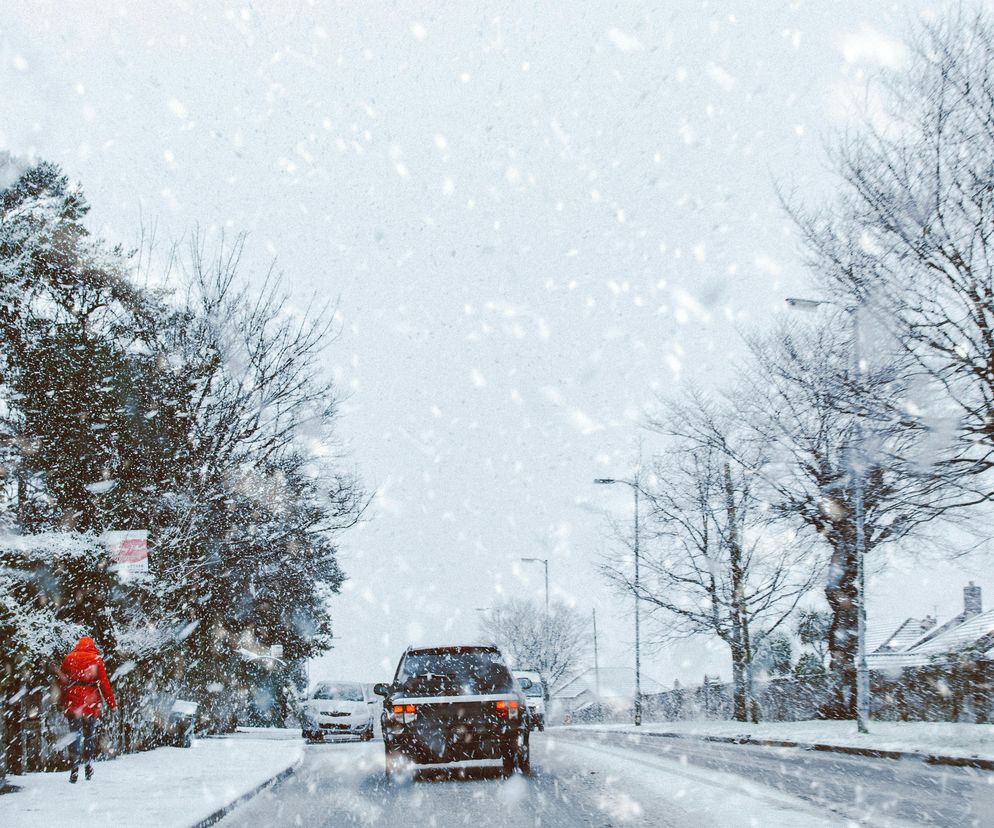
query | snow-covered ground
(940,738)
(164,787)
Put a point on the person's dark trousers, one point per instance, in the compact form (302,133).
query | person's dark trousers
(83,745)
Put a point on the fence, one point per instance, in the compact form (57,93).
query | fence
(778,700)
(34,733)
(912,695)
(923,694)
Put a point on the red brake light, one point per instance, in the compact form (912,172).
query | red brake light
(506,708)
(405,713)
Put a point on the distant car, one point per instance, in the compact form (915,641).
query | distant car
(338,708)
(536,697)
(452,703)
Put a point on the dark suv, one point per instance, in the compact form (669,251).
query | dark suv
(447,704)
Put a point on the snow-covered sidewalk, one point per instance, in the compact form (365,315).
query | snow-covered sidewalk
(164,787)
(944,739)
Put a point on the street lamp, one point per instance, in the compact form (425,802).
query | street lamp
(634,484)
(545,562)
(856,470)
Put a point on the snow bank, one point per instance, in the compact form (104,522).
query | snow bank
(951,739)
(164,787)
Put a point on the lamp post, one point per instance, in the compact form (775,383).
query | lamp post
(545,562)
(634,484)
(856,470)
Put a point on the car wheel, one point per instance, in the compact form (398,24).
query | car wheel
(398,767)
(541,726)
(510,759)
(367,735)
(524,755)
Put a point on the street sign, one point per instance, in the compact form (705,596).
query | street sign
(128,552)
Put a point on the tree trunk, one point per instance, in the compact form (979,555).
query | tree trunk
(751,704)
(840,592)
(739,699)
(740,625)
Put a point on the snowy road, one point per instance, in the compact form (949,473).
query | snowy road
(573,783)
(875,791)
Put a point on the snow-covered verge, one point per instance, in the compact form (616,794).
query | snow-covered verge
(949,739)
(164,787)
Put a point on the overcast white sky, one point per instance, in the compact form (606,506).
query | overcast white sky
(536,217)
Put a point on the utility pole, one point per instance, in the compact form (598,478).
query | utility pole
(638,605)
(544,562)
(597,668)
(635,486)
(856,464)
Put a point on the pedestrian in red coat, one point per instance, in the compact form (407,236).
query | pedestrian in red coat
(84,687)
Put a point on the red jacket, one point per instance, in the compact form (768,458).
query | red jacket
(83,681)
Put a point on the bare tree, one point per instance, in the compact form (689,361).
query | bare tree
(716,566)
(801,400)
(258,395)
(551,643)
(248,532)
(910,237)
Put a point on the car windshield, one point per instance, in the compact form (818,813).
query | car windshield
(535,690)
(454,671)
(338,692)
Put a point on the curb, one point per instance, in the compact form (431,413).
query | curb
(873,753)
(223,811)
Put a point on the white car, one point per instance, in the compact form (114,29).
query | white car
(535,696)
(337,708)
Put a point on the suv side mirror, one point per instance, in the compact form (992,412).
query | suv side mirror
(381,689)
(526,683)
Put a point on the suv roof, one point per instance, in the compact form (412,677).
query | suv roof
(443,648)
(450,670)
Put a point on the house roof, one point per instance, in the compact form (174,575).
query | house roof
(612,682)
(968,631)
(907,634)
(956,634)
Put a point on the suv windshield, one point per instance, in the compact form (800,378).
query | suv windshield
(534,690)
(452,671)
(338,692)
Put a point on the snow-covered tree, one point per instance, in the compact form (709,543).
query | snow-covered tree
(811,628)
(552,643)
(199,415)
